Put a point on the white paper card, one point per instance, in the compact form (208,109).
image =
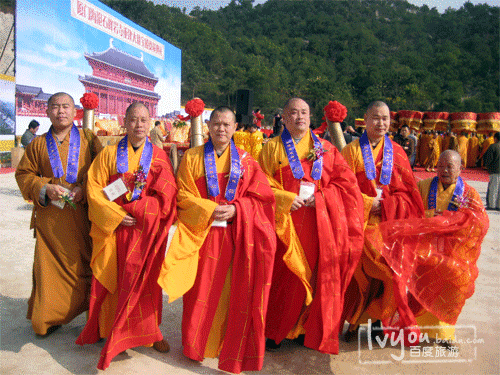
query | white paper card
(217,223)
(60,203)
(115,189)
(306,190)
(379,192)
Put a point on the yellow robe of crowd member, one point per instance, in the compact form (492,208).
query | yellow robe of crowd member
(486,144)
(241,140)
(472,152)
(463,142)
(61,272)
(255,140)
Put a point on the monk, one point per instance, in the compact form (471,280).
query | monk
(55,165)
(443,246)
(157,136)
(389,192)
(429,147)
(255,140)
(484,147)
(221,255)
(319,225)
(463,144)
(129,234)
(472,151)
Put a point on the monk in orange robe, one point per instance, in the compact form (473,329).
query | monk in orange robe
(484,147)
(472,151)
(463,143)
(429,151)
(61,271)
(129,234)
(443,246)
(319,224)
(389,192)
(222,253)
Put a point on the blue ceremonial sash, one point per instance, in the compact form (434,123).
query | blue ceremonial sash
(387,160)
(431,199)
(122,161)
(211,171)
(293,157)
(73,155)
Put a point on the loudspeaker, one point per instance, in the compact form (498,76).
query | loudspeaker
(244,102)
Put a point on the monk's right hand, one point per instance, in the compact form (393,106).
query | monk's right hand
(297,203)
(54,192)
(128,220)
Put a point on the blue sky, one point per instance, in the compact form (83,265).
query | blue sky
(216,4)
(51,44)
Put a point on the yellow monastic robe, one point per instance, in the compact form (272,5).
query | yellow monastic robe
(241,140)
(255,140)
(61,272)
(442,330)
(462,148)
(486,144)
(472,152)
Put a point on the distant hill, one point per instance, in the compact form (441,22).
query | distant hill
(351,51)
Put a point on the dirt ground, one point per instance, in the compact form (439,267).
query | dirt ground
(23,353)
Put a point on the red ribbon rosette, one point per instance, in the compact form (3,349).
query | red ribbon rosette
(335,111)
(195,107)
(89,100)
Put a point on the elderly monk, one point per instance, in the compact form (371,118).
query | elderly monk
(129,232)
(443,246)
(319,224)
(55,164)
(389,192)
(222,253)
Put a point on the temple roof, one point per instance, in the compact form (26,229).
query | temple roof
(118,86)
(31,90)
(114,57)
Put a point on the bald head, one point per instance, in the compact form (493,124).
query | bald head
(449,167)
(133,106)
(297,117)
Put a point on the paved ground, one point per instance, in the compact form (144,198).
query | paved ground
(22,353)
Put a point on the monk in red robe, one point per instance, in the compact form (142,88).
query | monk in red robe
(443,246)
(389,192)
(319,224)
(129,231)
(222,253)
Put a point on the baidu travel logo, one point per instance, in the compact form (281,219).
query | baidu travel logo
(376,346)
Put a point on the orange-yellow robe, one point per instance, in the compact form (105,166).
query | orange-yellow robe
(463,142)
(445,248)
(126,301)
(61,271)
(430,151)
(472,152)
(371,293)
(486,144)
(224,273)
(255,141)
(241,140)
(318,248)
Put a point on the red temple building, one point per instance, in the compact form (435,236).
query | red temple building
(31,101)
(119,79)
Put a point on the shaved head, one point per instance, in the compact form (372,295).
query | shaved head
(449,167)
(133,106)
(451,155)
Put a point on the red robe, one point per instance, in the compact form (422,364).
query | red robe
(444,248)
(308,287)
(375,289)
(140,250)
(224,273)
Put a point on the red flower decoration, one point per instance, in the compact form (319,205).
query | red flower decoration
(195,107)
(89,100)
(335,111)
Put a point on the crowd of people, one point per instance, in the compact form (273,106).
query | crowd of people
(282,242)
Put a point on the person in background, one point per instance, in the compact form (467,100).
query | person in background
(30,133)
(403,139)
(156,135)
(492,163)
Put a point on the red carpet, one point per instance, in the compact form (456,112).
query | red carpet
(468,174)
(7,170)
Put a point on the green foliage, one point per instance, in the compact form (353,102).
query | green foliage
(351,51)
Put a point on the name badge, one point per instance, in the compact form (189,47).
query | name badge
(307,190)
(115,189)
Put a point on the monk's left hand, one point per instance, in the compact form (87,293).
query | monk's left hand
(224,212)
(77,194)
(310,202)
